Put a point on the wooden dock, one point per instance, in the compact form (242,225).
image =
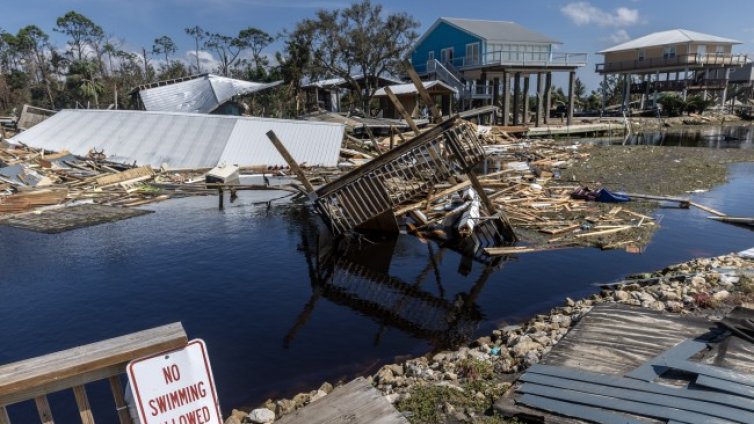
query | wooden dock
(357,402)
(616,339)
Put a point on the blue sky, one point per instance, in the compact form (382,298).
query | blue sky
(583,26)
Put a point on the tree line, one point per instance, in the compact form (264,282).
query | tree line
(95,69)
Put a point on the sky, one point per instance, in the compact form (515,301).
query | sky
(582,26)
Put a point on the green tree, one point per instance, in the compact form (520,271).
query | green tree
(83,79)
(198,34)
(81,30)
(359,39)
(164,45)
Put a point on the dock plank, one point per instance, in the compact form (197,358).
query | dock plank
(354,403)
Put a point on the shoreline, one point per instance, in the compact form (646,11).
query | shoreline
(464,383)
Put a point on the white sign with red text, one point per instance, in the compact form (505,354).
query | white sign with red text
(175,387)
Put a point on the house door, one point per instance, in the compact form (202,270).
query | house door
(701,50)
(446,55)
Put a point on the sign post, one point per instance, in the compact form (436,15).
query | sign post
(175,387)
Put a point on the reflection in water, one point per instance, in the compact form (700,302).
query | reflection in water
(359,279)
(716,137)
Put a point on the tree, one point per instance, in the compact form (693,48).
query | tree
(82,31)
(579,90)
(356,40)
(256,40)
(34,44)
(82,78)
(164,45)
(198,34)
(227,48)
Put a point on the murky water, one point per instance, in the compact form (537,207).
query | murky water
(279,312)
(716,137)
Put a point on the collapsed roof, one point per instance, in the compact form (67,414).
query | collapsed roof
(185,140)
(201,94)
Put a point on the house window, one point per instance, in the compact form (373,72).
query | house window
(446,55)
(431,56)
(719,50)
(472,54)
(668,52)
(642,55)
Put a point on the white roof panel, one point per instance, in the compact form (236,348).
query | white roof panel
(411,88)
(673,36)
(183,140)
(199,95)
(310,144)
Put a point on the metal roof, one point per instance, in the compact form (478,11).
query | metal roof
(199,95)
(340,81)
(410,88)
(673,36)
(183,140)
(499,31)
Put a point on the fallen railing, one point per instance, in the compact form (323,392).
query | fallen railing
(35,378)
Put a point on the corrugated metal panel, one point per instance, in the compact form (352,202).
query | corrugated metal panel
(227,88)
(310,143)
(673,36)
(183,140)
(200,95)
(411,88)
(188,96)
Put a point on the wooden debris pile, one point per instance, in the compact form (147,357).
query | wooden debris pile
(526,188)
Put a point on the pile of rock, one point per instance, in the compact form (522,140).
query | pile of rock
(272,410)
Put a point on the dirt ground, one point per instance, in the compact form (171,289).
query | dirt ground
(669,171)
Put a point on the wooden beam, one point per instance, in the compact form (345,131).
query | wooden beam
(43,407)
(82,401)
(38,376)
(436,115)
(374,140)
(399,107)
(291,162)
(124,417)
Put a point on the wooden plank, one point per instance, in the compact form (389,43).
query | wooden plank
(615,339)
(43,407)
(120,401)
(631,407)
(436,115)
(357,402)
(57,371)
(707,209)
(660,399)
(576,411)
(129,174)
(291,162)
(399,107)
(629,383)
(603,232)
(82,401)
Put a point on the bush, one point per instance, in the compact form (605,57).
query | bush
(672,104)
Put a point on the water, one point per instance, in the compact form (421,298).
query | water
(716,137)
(240,280)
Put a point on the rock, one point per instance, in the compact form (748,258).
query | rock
(670,296)
(302,399)
(240,415)
(318,395)
(393,397)
(721,295)
(697,281)
(385,376)
(396,369)
(569,302)
(283,407)
(326,387)
(450,376)
(525,346)
(646,297)
(261,416)
(621,295)
(232,420)
(657,306)
(674,306)
(482,341)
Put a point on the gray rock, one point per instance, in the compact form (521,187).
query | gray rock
(261,416)
(721,295)
(318,395)
(326,387)
(621,295)
(283,407)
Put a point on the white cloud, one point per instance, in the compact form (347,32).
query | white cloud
(620,36)
(584,13)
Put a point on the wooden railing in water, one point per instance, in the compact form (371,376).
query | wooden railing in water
(35,378)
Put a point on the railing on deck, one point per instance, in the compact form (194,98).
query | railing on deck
(74,368)
(694,59)
(512,58)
